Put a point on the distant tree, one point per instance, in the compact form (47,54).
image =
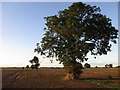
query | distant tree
(117,67)
(22,67)
(32,66)
(86,65)
(31,61)
(27,66)
(108,65)
(35,63)
(96,66)
(73,33)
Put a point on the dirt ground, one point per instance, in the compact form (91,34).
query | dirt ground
(53,78)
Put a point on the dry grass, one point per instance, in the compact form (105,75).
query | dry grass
(53,78)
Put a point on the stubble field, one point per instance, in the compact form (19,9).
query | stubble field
(53,78)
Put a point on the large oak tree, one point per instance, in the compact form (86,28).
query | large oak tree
(73,33)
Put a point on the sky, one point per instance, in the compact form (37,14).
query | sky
(22,28)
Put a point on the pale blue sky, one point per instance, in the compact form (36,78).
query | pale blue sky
(22,28)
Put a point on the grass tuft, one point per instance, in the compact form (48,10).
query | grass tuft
(115,86)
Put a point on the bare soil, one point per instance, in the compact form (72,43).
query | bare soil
(53,78)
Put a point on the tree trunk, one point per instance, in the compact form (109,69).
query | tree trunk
(71,76)
(73,69)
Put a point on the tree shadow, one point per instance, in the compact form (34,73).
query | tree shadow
(99,79)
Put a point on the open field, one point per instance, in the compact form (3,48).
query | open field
(53,78)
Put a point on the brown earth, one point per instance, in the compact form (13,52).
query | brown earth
(53,78)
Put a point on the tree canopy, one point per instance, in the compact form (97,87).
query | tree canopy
(74,32)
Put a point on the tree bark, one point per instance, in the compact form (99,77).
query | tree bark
(71,76)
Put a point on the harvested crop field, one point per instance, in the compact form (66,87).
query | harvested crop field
(53,78)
